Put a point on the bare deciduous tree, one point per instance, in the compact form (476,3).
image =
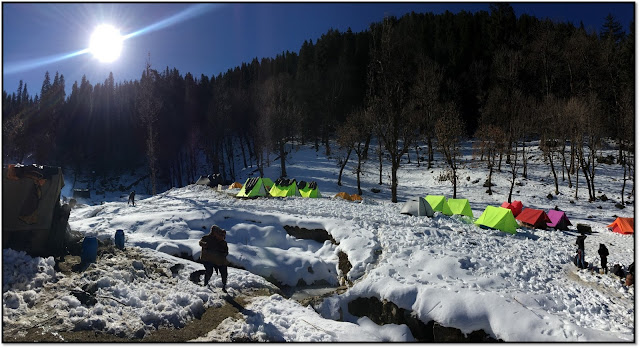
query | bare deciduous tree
(449,132)
(389,76)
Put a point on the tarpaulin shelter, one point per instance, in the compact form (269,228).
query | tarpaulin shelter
(32,218)
(253,187)
(212,180)
(439,203)
(417,206)
(460,206)
(309,189)
(559,220)
(285,188)
(343,195)
(235,185)
(515,207)
(498,218)
(533,217)
(622,225)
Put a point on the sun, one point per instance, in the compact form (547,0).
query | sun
(105,43)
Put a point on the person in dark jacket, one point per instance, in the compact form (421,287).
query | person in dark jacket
(604,252)
(214,254)
(132,198)
(580,243)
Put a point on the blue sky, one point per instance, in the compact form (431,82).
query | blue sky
(210,38)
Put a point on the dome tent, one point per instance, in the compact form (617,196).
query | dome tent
(439,203)
(417,206)
(498,218)
(253,187)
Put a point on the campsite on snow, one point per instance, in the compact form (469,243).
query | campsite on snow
(464,177)
(450,279)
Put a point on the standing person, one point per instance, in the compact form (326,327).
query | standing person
(214,254)
(580,243)
(604,252)
(132,198)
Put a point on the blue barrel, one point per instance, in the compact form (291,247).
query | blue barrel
(119,239)
(89,250)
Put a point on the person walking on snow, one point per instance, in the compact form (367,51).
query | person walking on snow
(580,243)
(132,198)
(604,252)
(214,254)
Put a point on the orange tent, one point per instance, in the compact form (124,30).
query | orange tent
(235,185)
(356,197)
(534,217)
(622,225)
(343,195)
(515,207)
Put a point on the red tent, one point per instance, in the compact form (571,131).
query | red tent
(622,225)
(515,207)
(534,217)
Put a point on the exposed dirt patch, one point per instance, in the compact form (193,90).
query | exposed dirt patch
(385,312)
(209,321)
(319,235)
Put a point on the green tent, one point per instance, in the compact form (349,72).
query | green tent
(284,188)
(439,203)
(268,183)
(499,218)
(309,189)
(253,187)
(460,206)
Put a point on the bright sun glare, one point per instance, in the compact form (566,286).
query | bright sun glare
(106,43)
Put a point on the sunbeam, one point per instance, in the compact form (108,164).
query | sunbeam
(188,13)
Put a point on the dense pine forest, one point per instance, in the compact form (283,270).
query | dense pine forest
(419,79)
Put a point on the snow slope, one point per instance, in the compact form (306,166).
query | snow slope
(518,288)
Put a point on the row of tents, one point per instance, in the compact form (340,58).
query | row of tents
(507,218)
(263,187)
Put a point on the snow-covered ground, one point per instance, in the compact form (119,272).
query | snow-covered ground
(517,288)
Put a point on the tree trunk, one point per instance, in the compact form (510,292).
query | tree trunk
(327,149)
(394,180)
(430,153)
(418,155)
(524,160)
(344,164)
(553,170)
(179,168)
(358,170)
(244,156)
(455,182)
(624,181)
(585,171)
(380,160)
(577,178)
(365,152)
(283,156)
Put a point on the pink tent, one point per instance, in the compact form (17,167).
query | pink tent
(559,220)
(515,207)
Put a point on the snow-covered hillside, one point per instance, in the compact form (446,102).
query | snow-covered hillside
(516,288)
